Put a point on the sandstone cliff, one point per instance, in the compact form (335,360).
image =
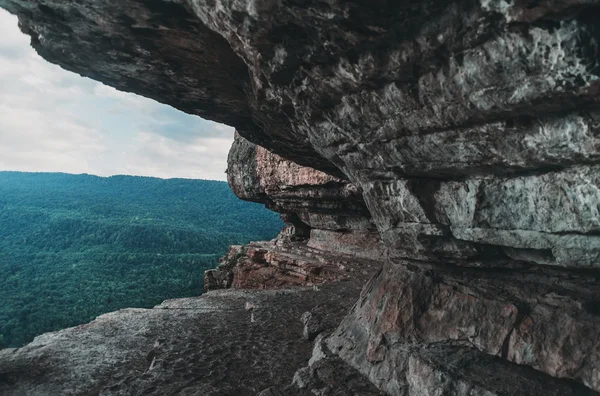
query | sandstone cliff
(455,144)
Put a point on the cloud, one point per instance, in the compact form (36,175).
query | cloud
(52,120)
(200,158)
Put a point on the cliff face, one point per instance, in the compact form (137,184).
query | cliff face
(329,233)
(456,143)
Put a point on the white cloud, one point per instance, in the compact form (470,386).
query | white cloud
(53,120)
(11,35)
(33,140)
(120,97)
(200,158)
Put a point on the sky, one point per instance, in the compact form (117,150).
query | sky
(52,120)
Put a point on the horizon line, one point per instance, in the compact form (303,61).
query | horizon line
(109,176)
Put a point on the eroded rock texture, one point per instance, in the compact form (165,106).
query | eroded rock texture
(454,142)
(330,235)
(213,345)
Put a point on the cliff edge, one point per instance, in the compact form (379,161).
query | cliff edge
(454,145)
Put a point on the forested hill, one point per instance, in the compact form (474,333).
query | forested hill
(76,246)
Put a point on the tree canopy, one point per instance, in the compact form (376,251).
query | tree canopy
(75,246)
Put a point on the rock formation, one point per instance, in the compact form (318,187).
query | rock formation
(456,143)
(330,234)
(207,346)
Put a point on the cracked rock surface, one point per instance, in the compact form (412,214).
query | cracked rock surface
(455,143)
(210,345)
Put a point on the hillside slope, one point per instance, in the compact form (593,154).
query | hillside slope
(76,246)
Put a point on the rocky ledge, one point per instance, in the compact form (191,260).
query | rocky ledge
(454,144)
(227,342)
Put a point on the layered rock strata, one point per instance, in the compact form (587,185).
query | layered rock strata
(268,265)
(461,135)
(329,234)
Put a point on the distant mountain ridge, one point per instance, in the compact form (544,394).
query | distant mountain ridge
(75,246)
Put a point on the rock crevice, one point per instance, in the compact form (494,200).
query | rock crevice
(454,144)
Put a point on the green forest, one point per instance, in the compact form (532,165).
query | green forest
(75,246)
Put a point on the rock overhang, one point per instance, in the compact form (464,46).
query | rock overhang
(464,134)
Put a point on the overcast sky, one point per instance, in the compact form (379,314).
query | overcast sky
(52,120)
